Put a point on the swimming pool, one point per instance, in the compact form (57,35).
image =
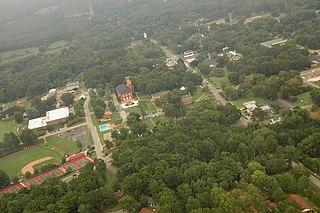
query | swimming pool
(103,128)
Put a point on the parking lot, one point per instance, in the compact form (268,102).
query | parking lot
(79,134)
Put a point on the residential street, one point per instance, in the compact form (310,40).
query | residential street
(215,92)
(314,179)
(95,136)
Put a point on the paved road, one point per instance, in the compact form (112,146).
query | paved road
(95,136)
(62,130)
(313,178)
(93,129)
(311,84)
(215,92)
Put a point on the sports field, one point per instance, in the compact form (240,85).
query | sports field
(55,148)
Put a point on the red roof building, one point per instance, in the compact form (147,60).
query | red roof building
(301,202)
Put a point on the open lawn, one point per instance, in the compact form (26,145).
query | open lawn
(148,106)
(68,146)
(218,81)
(238,103)
(13,164)
(134,109)
(115,117)
(13,55)
(26,104)
(303,99)
(149,123)
(18,54)
(7,126)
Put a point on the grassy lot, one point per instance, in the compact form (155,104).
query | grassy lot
(303,99)
(6,127)
(218,81)
(149,123)
(239,103)
(18,54)
(148,106)
(115,117)
(135,109)
(13,55)
(13,164)
(90,139)
(63,144)
(24,101)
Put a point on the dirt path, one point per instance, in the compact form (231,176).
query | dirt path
(29,167)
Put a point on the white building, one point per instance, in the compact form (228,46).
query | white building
(52,118)
(250,106)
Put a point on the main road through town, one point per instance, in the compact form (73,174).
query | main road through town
(95,136)
(214,91)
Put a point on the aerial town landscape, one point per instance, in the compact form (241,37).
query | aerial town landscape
(159,106)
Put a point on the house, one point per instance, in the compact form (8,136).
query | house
(187,99)
(52,118)
(189,56)
(19,104)
(170,62)
(250,107)
(125,93)
(278,41)
(52,92)
(107,115)
(129,84)
(234,56)
(251,19)
(73,86)
(315,59)
(304,206)
(266,109)
(158,95)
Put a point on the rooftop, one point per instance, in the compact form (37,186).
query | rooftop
(273,42)
(159,94)
(37,123)
(57,114)
(122,89)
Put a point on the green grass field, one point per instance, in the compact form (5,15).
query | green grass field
(303,99)
(13,164)
(218,81)
(18,54)
(14,55)
(7,127)
(135,109)
(239,103)
(148,106)
(63,144)
(55,148)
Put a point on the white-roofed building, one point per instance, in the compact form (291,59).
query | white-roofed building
(52,118)
(56,116)
(37,123)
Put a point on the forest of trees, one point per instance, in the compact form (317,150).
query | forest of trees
(202,160)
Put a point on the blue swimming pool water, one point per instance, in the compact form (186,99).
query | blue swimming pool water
(103,128)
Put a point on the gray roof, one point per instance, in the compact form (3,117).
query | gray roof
(159,94)
(315,58)
(269,44)
(122,89)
